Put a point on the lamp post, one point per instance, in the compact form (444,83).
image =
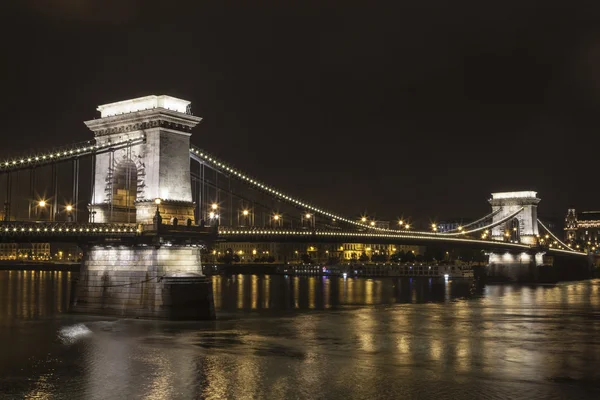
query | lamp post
(277,220)
(157,220)
(69,209)
(41,206)
(245,217)
(310,220)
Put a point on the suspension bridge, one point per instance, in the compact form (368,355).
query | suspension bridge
(140,199)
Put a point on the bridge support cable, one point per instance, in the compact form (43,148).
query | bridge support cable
(54,203)
(8,197)
(486,227)
(67,153)
(92,215)
(31,198)
(232,194)
(75,195)
(201,156)
(486,217)
(553,235)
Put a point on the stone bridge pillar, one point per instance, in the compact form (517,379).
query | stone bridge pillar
(129,179)
(523,227)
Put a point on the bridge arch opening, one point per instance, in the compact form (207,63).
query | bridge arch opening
(124,191)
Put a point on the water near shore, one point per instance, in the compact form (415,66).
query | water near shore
(308,338)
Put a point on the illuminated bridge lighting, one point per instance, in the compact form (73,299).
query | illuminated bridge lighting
(246,235)
(74,151)
(205,157)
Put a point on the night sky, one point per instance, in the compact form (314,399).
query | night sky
(422,109)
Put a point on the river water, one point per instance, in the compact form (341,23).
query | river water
(308,338)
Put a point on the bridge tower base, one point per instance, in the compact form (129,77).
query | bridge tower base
(145,282)
(538,268)
(515,267)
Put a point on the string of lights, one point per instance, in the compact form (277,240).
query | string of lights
(202,156)
(489,226)
(67,153)
(491,215)
(553,236)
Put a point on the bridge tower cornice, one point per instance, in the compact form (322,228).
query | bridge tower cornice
(143,120)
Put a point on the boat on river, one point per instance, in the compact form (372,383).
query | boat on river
(442,271)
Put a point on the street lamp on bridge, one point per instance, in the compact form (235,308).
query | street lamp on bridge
(277,220)
(310,221)
(41,206)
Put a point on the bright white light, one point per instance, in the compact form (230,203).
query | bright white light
(514,195)
(143,103)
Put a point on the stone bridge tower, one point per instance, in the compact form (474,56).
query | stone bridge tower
(129,179)
(523,227)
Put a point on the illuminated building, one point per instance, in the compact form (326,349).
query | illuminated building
(583,226)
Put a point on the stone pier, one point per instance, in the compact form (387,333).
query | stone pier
(145,282)
(516,267)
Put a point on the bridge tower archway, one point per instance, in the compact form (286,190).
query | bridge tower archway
(523,228)
(514,229)
(162,160)
(124,190)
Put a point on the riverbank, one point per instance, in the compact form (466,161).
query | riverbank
(39,266)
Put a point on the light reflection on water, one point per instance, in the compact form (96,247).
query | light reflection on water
(309,337)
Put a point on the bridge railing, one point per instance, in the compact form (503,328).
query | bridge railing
(9,228)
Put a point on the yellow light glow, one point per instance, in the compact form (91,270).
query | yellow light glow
(69,208)
(245,212)
(363,219)
(214,206)
(307,216)
(42,203)
(276,217)
(157,201)
(372,223)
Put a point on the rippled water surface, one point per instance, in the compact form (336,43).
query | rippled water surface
(308,338)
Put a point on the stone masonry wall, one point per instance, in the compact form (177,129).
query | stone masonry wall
(144,282)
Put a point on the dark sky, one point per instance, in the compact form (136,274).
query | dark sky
(421,109)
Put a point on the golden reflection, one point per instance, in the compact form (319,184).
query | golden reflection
(240,291)
(246,376)
(369,291)
(463,355)
(436,349)
(342,288)
(350,290)
(217,383)
(326,292)
(312,283)
(59,292)
(254,293)
(23,309)
(365,327)
(296,292)
(217,282)
(266,283)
